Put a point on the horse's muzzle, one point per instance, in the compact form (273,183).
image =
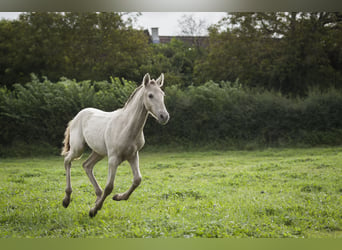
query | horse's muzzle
(163,117)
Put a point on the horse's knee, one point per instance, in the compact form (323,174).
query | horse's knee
(68,191)
(137,181)
(85,165)
(108,189)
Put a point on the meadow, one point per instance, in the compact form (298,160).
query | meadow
(269,193)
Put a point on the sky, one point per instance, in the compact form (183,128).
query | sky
(167,22)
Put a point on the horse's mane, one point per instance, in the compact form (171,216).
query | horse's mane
(132,95)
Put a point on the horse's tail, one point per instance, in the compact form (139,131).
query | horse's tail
(66,141)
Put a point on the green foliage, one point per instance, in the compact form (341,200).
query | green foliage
(40,110)
(228,114)
(273,193)
(177,59)
(213,115)
(287,52)
(82,46)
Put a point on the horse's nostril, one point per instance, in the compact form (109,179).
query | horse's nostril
(163,117)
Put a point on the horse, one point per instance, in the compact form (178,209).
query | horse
(118,135)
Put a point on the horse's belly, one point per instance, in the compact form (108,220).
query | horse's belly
(93,132)
(98,147)
(95,142)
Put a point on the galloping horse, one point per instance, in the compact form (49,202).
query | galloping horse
(118,135)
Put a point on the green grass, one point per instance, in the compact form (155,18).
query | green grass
(277,193)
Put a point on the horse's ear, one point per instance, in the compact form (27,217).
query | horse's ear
(146,79)
(160,80)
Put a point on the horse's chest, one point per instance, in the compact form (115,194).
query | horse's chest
(128,149)
(123,140)
(129,152)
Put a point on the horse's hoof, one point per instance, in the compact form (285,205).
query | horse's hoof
(120,197)
(92,213)
(66,203)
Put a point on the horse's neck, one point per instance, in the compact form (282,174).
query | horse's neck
(136,113)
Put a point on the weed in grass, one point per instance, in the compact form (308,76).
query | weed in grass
(182,195)
(312,188)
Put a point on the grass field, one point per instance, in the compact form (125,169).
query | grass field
(295,193)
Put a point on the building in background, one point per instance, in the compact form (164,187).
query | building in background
(200,41)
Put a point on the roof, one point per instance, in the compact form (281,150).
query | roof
(202,41)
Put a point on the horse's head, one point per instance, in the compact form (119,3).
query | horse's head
(154,98)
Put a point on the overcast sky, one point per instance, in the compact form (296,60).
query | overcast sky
(167,22)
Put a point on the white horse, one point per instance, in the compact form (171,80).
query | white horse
(117,134)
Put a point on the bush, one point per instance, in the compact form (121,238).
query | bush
(40,110)
(212,115)
(226,114)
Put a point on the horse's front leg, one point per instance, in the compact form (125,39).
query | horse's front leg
(113,164)
(134,162)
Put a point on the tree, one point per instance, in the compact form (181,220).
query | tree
(289,52)
(177,59)
(189,26)
(82,46)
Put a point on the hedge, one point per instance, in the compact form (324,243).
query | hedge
(211,115)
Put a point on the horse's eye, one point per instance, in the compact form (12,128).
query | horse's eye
(150,96)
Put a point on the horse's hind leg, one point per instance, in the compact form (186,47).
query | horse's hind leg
(67,164)
(68,189)
(73,144)
(88,166)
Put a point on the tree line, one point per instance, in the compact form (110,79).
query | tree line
(286,52)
